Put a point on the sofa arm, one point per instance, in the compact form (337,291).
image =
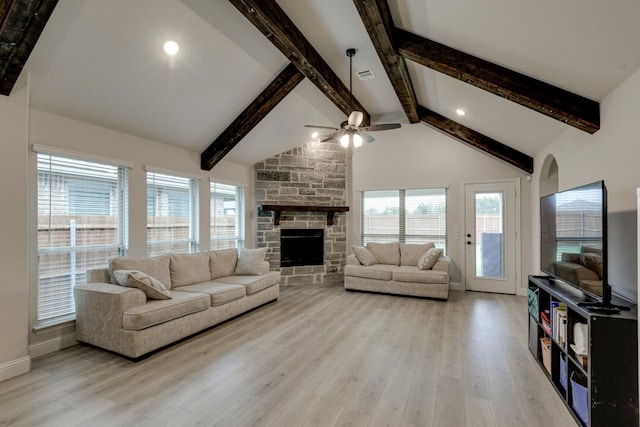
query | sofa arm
(100,306)
(352,260)
(443,264)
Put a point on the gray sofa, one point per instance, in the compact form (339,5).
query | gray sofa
(198,290)
(398,268)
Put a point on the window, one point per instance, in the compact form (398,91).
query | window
(409,216)
(227,216)
(82,221)
(172,214)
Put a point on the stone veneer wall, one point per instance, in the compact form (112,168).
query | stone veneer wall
(313,174)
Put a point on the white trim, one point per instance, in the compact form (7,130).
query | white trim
(14,368)
(428,187)
(56,151)
(53,344)
(166,171)
(57,325)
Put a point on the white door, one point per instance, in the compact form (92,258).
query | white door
(490,237)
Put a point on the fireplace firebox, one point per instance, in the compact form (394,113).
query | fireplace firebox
(301,247)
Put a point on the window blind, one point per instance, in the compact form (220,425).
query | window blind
(410,216)
(82,223)
(172,214)
(227,216)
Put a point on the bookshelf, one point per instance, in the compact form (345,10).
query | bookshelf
(608,372)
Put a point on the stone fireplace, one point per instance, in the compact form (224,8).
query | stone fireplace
(311,175)
(300,247)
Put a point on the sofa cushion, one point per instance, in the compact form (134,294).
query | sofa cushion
(364,255)
(220,293)
(377,271)
(252,283)
(429,258)
(414,274)
(153,288)
(156,267)
(592,261)
(250,261)
(385,253)
(222,262)
(187,269)
(161,311)
(410,253)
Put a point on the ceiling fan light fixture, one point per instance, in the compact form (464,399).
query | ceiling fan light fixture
(357,140)
(344,140)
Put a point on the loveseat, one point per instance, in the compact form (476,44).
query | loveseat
(138,305)
(398,268)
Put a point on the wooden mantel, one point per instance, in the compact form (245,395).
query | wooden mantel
(278,209)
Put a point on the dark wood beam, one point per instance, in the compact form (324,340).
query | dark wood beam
(476,139)
(21,23)
(560,104)
(377,19)
(251,116)
(271,20)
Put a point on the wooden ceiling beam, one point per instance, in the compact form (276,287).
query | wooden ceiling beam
(251,116)
(560,104)
(21,23)
(476,139)
(274,23)
(377,19)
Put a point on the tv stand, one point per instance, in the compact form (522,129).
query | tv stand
(606,379)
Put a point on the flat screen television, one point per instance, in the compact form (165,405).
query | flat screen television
(573,240)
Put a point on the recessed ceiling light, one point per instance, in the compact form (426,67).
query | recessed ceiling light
(460,112)
(170,47)
(314,135)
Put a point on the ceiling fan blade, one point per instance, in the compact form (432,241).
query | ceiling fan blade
(320,127)
(355,118)
(366,137)
(384,126)
(330,137)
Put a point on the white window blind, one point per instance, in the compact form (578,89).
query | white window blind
(172,214)
(82,222)
(227,216)
(410,216)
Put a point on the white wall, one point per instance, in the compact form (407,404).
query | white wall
(417,156)
(611,154)
(18,252)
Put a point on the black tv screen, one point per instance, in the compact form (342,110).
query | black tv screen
(573,238)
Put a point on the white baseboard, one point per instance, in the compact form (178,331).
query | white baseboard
(54,344)
(521,292)
(15,367)
(456,286)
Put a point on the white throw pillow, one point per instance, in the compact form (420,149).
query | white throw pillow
(250,261)
(364,255)
(153,288)
(429,259)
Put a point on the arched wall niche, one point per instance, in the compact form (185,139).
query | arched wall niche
(549,176)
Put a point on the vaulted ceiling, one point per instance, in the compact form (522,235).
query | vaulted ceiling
(253,72)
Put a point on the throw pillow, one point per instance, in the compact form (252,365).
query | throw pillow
(250,261)
(429,259)
(385,253)
(364,255)
(410,253)
(153,288)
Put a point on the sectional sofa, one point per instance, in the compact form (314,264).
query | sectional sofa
(138,305)
(398,268)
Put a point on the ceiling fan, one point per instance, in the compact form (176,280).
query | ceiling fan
(351,131)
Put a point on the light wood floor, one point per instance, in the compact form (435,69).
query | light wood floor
(319,356)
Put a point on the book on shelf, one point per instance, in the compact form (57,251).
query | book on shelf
(559,322)
(545,322)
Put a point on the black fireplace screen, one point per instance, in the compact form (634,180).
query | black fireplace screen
(301,247)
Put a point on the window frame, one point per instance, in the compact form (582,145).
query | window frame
(402,234)
(65,169)
(238,238)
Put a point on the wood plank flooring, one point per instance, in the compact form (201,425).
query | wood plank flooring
(320,356)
